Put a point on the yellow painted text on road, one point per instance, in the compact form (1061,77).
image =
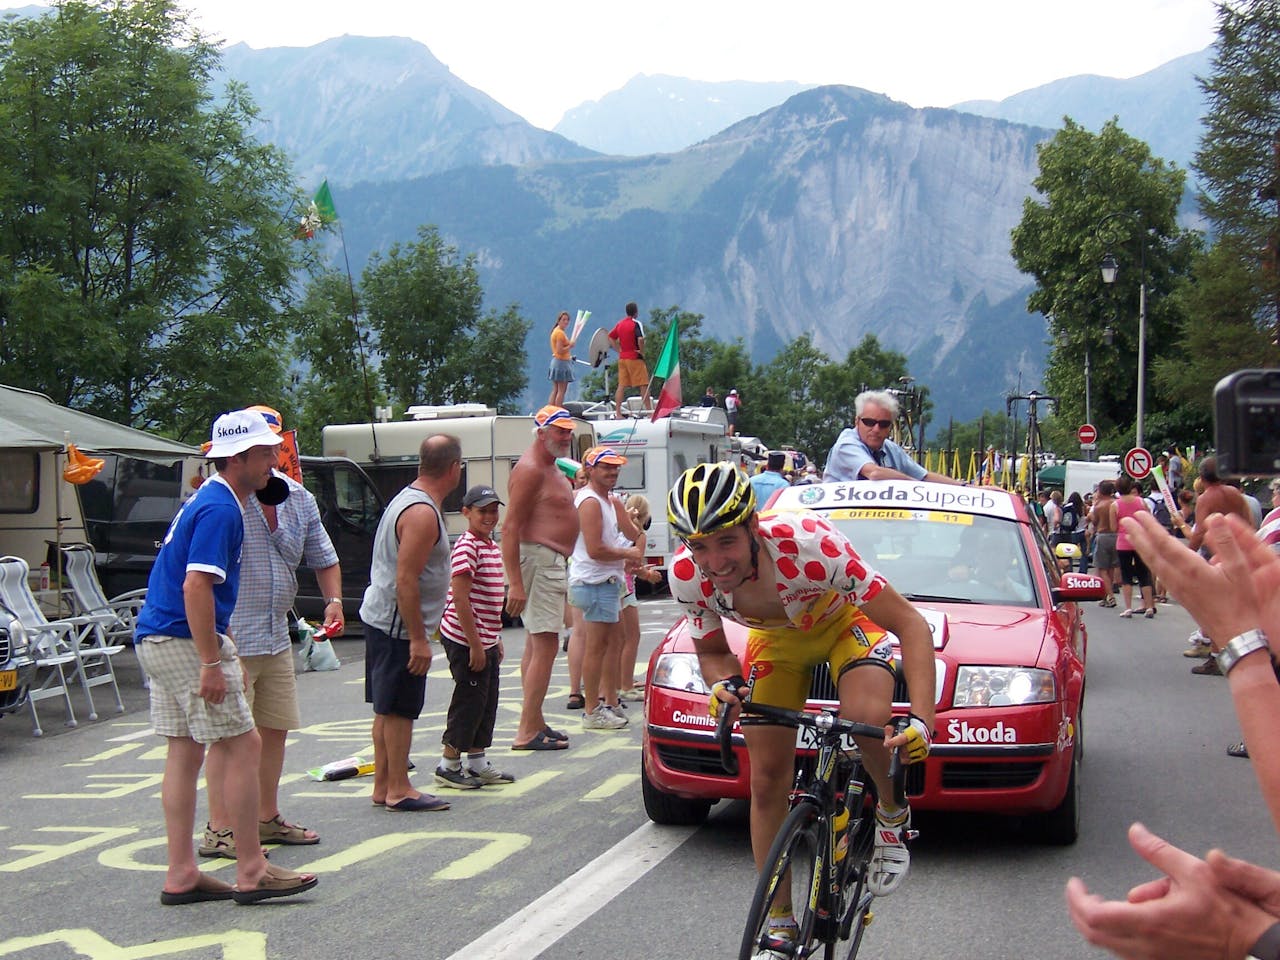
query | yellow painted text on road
(495,847)
(42,853)
(234,944)
(109,787)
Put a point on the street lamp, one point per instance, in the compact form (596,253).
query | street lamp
(1110,269)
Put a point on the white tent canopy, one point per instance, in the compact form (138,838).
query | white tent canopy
(32,421)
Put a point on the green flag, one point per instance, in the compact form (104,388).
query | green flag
(319,212)
(670,358)
(323,201)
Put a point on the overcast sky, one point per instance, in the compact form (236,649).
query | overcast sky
(543,58)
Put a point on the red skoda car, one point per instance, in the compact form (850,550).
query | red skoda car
(1009,640)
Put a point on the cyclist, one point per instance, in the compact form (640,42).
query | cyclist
(806,596)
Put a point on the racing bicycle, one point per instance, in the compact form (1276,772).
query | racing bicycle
(826,841)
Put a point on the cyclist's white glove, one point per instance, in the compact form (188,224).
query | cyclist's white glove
(918,740)
(730,685)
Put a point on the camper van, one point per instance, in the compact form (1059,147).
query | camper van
(123,511)
(491,445)
(657,453)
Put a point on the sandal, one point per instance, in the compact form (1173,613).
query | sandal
(279,830)
(1238,750)
(276,883)
(217,843)
(576,702)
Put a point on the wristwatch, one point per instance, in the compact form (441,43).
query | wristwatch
(329,600)
(1239,647)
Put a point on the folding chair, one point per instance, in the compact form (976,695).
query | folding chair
(117,615)
(81,638)
(50,679)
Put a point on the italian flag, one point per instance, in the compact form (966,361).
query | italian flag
(319,212)
(668,368)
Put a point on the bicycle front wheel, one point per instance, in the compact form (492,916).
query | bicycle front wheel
(788,878)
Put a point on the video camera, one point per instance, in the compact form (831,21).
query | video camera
(1246,414)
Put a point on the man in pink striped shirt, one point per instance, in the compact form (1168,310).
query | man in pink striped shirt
(472,630)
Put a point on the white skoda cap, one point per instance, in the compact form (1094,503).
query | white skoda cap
(237,431)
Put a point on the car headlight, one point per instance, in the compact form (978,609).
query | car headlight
(680,671)
(18,641)
(1003,686)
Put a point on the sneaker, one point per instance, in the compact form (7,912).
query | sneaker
(217,843)
(781,939)
(457,779)
(602,718)
(491,775)
(1207,669)
(634,694)
(1198,651)
(618,712)
(890,859)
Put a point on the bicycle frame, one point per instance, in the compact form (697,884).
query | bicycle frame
(838,782)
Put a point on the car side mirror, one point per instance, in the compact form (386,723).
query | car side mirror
(1074,587)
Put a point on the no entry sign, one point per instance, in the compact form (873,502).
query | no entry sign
(1087,433)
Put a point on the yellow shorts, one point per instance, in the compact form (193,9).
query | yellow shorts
(632,373)
(783,659)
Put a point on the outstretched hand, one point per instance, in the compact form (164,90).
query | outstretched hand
(1188,914)
(1238,591)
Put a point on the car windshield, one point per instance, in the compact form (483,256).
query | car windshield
(935,555)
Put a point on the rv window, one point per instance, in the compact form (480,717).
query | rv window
(679,463)
(19,481)
(631,475)
(390,479)
(355,501)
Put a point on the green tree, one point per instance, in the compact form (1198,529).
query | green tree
(424,304)
(1100,193)
(1239,158)
(804,399)
(1234,306)
(337,386)
(143,258)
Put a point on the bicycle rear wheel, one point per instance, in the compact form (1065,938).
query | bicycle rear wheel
(787,876)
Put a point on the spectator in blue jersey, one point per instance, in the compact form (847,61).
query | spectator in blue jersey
(472,632)
(865,452)
(197,683)
(282,530)
(771,478)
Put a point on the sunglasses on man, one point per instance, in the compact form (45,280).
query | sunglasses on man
(869,422)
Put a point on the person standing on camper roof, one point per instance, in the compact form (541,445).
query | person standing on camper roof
(732,404)
(627,337)
(561,372)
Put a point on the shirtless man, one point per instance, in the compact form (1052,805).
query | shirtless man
(1105,557)
(539,532)
(1216,497)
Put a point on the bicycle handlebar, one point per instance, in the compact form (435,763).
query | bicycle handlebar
(824,721)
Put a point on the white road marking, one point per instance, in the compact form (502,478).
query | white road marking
(560,910)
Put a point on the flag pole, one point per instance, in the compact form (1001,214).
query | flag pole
(355,328)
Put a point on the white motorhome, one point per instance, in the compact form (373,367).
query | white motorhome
(657,453)
(491,445)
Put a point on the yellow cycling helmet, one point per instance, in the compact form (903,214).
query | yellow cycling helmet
(708,498)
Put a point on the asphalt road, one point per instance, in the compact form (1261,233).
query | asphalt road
(563,864)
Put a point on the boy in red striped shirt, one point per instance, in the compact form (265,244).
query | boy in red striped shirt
(472,632)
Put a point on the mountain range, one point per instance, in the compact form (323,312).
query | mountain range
(834,212)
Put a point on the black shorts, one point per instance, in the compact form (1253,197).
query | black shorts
(474,707)
(1132,569)
(388,684)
